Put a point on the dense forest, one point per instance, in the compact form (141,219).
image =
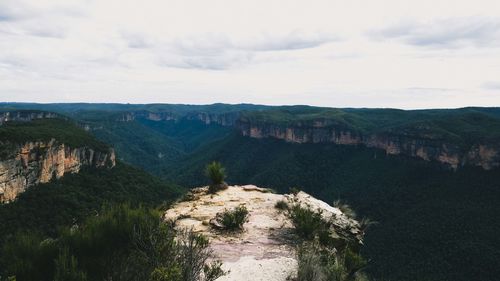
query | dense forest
(433,223)
(47,209)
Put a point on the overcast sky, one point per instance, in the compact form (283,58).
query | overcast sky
(403,54)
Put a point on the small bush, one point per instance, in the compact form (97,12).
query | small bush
(317,263)
(215,172)
(232,219)
(281,205)
(345,208)
(309,264)
(294,190)
(307,223)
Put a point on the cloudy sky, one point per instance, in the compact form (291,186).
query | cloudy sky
(352,53)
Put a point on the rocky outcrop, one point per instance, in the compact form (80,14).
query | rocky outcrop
(39,162)
(24,116)
(427,148)
(264,249)
(223,119)
(154,116)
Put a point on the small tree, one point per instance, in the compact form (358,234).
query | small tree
(216,173)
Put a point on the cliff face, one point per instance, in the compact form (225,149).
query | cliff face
(39,162)
(429,149)
(24,116)
(421,146)
(223,119)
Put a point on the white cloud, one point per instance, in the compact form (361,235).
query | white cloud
(435,53)
(446,33)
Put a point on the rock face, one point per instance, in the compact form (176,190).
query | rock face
(39,162)
(223,119)
(421,146)
(424,147)
(264,250)
(24,116)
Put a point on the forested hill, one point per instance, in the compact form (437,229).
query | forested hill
(33,151)
(453,137)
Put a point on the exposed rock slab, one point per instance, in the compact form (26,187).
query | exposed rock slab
(264,250)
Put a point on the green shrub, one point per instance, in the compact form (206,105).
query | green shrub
(307,223)
(317,263)
(232,219)
(121,243)
(281,205)
(309,266)
(216,173)
(66,268)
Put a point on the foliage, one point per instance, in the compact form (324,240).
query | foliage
(64,131)
(215,172)
(66,267)
(46,207)
(232,219)
(122,243)
(320,256)
(307,223)
(317,263)
(281,205)
(433,223)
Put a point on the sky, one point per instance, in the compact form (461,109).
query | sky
(352,53)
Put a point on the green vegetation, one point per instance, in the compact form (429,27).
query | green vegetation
(120,243)
(433,223)
(319,263)
(64,131)
(234,219)
(323,256)
(216,173)
(152,145)
(281,205)
(454,126)
(45,208)
(308,224)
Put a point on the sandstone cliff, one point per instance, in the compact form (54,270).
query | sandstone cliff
(38,162)
(223,119)
(264,250)
(424,147)
(25,115)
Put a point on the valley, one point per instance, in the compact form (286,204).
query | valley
(429,178)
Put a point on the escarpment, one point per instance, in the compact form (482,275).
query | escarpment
(36,147)
(223,119)
(37,162)
(485,155)
(25,115)
(455,151)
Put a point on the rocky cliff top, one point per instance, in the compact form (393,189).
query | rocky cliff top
(264,249)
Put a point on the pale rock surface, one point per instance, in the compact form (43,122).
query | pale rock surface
(264,249)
